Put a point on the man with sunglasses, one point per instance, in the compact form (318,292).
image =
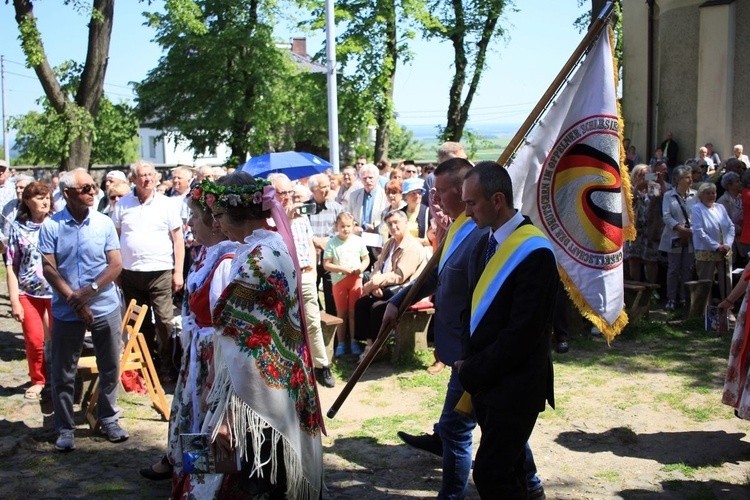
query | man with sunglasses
(153,250)
(81,260)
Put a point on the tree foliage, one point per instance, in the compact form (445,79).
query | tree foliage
(76,113)
(373,42)
(469,26)
(222,78)
(403,144)
(42,137)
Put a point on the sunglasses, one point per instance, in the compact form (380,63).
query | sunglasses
(115,197)
(85,189)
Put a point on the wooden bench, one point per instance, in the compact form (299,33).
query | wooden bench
(638,298)
(328,324)
(411,333)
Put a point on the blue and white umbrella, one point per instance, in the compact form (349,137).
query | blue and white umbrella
(296,165)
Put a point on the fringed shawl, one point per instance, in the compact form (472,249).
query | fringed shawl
(263,369)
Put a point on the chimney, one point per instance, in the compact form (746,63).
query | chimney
(299,47)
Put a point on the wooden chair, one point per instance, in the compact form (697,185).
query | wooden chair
(135,356)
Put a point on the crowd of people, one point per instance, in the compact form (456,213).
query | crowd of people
(252,263)
(691,221)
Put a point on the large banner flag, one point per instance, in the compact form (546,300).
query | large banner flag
(567,178)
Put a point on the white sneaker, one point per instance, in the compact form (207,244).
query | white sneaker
(66,441)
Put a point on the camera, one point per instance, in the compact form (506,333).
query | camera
(650,177)
(307,207)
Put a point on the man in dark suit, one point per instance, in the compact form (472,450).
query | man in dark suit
(506,363)
(450,284)
(670,150)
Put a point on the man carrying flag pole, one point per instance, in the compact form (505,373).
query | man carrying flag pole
(452,437)
(506,363)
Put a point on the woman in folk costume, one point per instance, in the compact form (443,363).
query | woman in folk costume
(263,401)
(737,383)
(208,277)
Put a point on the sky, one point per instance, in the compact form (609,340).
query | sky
(541,38)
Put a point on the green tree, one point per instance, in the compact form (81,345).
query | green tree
(470,26)
(403,144)
(43,137)
(76,113)
(222,78)
(374,41)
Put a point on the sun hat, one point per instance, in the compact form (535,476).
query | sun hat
(413,184)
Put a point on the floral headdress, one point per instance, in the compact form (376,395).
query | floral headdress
(210,194)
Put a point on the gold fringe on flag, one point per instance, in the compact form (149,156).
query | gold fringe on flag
(608,331)
(628,230)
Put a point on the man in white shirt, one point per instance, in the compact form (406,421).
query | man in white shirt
(153,250)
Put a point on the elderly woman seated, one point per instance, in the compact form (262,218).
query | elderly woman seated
(400,261)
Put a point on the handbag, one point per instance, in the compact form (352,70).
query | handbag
(390,291)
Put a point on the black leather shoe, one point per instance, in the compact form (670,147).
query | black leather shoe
(431,443)
(562,347)
(325,377)
(150,473)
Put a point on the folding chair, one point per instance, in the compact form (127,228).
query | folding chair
(135,356)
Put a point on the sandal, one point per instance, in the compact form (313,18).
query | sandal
(33,392)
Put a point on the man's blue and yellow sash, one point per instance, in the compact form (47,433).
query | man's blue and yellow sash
(457,233)
(524,240)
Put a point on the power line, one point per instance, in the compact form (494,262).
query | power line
(106,84)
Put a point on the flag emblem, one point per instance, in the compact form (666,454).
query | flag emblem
(582,168)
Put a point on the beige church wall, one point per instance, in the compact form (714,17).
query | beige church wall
(715,76)
(741,100)
(635,75)
(678,82)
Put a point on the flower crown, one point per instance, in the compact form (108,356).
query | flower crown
(210,194)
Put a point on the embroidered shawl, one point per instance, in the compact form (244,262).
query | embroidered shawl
(263,368)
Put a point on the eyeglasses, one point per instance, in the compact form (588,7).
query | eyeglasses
(85,189)
(217,216)
(285,193)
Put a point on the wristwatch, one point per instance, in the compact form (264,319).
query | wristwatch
(95,286)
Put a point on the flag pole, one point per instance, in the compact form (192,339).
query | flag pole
(593,33)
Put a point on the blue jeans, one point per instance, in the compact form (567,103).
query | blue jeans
(532,480)
(456,432)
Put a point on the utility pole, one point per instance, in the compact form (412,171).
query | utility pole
(6,148)
(333,106)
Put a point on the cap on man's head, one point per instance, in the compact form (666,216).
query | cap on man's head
(116,174)
(3,164)
(413,184)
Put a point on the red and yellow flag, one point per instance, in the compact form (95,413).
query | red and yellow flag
(568,179)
